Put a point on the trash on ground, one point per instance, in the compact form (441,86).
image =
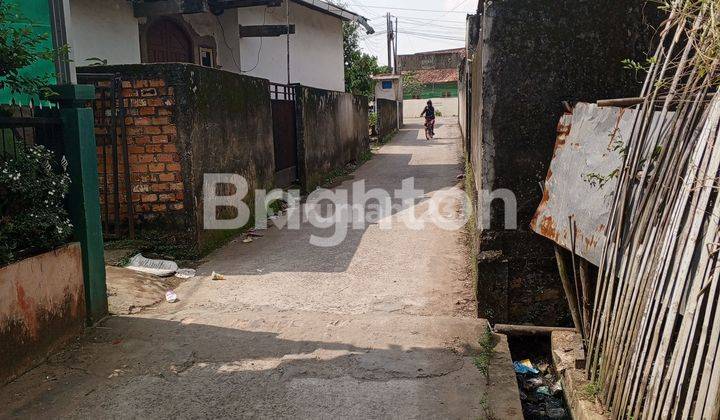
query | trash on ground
(556,413)
(171,296)
(185,273)
(543,368)
(556,389)
(247,240)
(217,276)
(543,390)
(540,393)
(534,383)
(160,268)
(521,367)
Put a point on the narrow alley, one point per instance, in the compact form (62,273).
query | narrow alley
(382,326)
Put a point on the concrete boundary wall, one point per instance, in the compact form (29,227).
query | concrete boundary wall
(530,57)
(387,121)
(332,132)
(42,307)
(448,107)
(183,121)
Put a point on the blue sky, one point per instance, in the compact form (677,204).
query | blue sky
(424,25)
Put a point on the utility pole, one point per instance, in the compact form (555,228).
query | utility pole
(287,39)
(395,49)
(389,25)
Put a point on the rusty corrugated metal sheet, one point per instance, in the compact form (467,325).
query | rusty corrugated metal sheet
(581,182)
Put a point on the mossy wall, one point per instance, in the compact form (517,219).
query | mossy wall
(387,112)
(224,125)
(532,56)
(332,132)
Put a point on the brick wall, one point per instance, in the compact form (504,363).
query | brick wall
(152,145)
(182,122)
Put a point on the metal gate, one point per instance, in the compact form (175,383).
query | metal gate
(116,210)
(284,134)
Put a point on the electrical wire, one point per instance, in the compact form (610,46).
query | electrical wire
(257,62)
(413,10)
(232,52)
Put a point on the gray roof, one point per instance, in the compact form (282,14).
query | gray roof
(337,11)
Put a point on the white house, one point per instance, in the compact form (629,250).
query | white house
(218,33)
(388,86)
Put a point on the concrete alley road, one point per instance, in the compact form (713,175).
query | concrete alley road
(381,326)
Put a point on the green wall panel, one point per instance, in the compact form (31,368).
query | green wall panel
(38,13)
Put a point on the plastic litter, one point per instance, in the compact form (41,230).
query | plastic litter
(541,392)
(171,296)
(185,273)
(217,276)
(556,413)
(522,367)
(543,367)
(557,388)
(544,391)
(247,240)
(533,383)
(160,268)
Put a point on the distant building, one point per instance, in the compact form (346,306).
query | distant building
(388,86)
(437,71)
(245,37)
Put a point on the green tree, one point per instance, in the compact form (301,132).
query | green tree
(21,47)
(411,85)
(359,66)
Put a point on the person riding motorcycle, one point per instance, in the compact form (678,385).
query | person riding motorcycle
(429,114)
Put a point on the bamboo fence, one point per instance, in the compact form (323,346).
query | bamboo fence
(655,332)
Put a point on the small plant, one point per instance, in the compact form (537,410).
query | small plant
(372,119)
(387,138)
(599,181)
(485,405)
(96,61)
(487,350)
(590,391)
(33,218)
(365,156)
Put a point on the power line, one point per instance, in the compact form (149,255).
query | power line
(432,36)
(401,16)
(413,10)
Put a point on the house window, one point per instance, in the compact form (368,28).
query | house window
(207,57)
(387,84)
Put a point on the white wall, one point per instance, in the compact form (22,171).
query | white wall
(226,36)
(449,107)
(108,30)
(316,48)
(393,94)
(105,29)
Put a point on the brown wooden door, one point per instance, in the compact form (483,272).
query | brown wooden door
(168,43)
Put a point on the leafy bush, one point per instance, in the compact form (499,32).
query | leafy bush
(33,218)
(21,47)
(373,119)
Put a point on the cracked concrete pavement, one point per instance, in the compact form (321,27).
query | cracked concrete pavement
(381,326)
